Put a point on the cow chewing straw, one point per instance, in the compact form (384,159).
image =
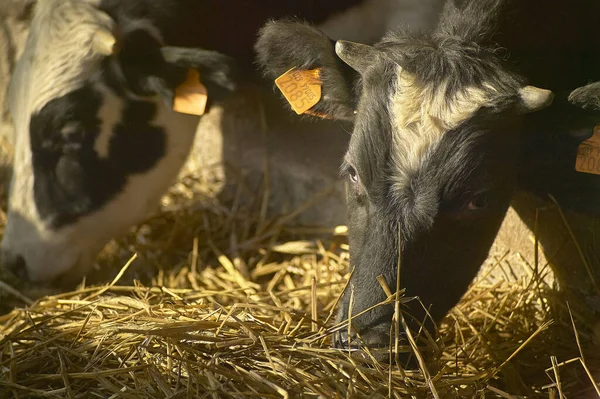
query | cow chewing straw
(212,301)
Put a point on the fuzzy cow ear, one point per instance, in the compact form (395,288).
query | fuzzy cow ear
(586,97)
(218,72)
(283,45)
(148,68)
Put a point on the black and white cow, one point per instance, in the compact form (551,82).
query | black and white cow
(96,140)
(445,133)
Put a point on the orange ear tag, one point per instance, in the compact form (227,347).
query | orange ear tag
(191,96)
(588,154)
(301,88)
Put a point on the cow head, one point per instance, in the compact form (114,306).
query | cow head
(96,140)
(432,160)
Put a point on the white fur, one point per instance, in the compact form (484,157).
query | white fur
(59,51)
(110,115)
(421,115)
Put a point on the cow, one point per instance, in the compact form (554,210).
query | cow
(450,125)
(97,141)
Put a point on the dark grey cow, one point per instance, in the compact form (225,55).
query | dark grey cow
(445,132)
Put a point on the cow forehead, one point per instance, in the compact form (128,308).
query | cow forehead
(421,113)
(58,55)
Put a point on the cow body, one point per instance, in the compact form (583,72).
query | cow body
(449,125)
(96,141)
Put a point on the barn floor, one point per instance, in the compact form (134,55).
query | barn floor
(223,301)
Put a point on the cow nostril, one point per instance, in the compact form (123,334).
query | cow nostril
(340,340)
(18,267)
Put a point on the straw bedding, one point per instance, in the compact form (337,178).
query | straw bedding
(207,300)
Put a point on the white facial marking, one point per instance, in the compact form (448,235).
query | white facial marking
(421,115)
(110,115)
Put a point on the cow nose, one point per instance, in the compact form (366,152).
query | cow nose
(340,339)
(17,266)
(374,337)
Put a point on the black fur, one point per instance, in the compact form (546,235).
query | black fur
(70,179)
(145,68)
(218,72)
(438,58)
(310,49)
(587,96)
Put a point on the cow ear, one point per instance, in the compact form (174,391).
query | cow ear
(284,45)
(586,97)
(217,71)
(148,68)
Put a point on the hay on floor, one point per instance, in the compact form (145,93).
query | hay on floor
(240,306)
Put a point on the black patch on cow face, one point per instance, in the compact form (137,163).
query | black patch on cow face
(70,179)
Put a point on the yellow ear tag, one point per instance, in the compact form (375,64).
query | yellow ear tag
(191,96)
(588,154)
(301,88)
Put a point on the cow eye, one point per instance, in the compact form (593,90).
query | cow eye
(477,203)
(353,175)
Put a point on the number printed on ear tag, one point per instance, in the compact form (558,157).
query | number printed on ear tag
(301,88)
(588,154)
